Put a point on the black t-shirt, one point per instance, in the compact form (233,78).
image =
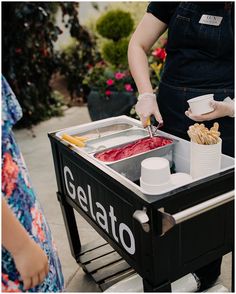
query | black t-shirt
(164,10)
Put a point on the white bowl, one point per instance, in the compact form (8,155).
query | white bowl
(155,170)
(201,104)
(155,189)
(180,179)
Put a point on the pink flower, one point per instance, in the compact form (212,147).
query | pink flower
(100,64)
(164,42)
(128,88)
(119,75)
(8,285)
(108,93)
(159,53)
(37,224)
(10,172)
(110,82)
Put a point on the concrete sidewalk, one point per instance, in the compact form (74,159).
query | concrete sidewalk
(38,157)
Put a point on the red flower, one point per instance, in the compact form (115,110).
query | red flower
(128,88)
(89,66)
(110,82)
(9,174)
(159,53)
(100,63)
(44,52)
(119,75)
(18,50)
(108,93)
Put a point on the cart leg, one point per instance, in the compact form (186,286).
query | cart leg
(232,273)
(166,287)
(71,228)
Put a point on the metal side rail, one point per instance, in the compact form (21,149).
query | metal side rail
(169,221)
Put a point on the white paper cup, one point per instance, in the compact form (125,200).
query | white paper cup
(180,179)
(155,171)
(155,189)
(205,159)
(201,104)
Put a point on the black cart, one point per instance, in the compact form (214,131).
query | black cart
(161,237)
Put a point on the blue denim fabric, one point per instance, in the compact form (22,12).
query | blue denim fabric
(199,55)
(172,102)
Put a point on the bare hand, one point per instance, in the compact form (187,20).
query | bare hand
(32,264)
(221,109)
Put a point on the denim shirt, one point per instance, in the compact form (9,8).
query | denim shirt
(199,55)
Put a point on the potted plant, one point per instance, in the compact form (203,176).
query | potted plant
(112,87)
(112,92)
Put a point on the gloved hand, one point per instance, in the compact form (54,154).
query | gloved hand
(146,106)
(221,109)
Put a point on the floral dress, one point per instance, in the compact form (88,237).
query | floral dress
(19,194)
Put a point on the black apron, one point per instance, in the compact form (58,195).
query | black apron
(200,60)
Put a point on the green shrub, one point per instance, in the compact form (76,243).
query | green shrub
(135,8)
(115,24)
(29,59)
(116,52)
(76,59)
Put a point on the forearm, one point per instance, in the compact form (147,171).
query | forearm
(14,235)
(139,68)
(145,35)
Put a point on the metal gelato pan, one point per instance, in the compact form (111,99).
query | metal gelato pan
(130,167)
(115,139)
(105,134)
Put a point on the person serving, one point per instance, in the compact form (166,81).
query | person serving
(200,60)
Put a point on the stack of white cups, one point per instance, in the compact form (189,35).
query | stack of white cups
(205,159)
(156,177)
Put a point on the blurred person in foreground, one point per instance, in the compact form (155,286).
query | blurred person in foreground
(29,258)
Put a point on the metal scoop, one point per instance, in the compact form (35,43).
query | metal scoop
(156,128)
(152,130)
(149,128)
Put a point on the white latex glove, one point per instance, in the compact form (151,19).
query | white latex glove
(146,106)
(221,109)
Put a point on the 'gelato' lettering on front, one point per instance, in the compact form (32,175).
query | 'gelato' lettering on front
(100,215)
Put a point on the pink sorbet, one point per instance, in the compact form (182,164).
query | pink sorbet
(133,148)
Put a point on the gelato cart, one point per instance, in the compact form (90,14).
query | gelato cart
(161,236)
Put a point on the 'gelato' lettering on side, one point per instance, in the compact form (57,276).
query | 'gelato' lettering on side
(100,215)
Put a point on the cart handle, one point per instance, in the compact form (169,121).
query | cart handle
(168,220)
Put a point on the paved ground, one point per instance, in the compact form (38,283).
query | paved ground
(38,157)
